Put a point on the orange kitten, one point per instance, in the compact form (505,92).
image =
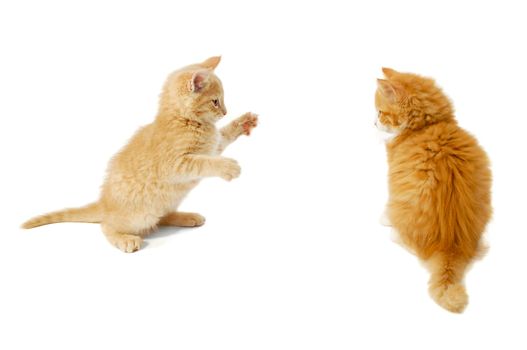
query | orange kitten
(439,182)
(147,180)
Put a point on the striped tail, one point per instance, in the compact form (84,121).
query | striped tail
(90,213)
(446,281)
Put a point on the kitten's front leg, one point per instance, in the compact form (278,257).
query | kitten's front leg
(239,126)
(193,166)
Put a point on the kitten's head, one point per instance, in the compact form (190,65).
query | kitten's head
(407,101)
(195,92)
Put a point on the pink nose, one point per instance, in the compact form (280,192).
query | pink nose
(224,110)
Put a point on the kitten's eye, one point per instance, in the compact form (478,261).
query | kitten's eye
(216,103)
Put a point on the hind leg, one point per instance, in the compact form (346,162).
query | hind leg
(181,219)
(126,242)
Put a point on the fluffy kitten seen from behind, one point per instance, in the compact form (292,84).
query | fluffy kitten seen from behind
(439,182)
(147,180)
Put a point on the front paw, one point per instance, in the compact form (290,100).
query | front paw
(247,122)
(229,169)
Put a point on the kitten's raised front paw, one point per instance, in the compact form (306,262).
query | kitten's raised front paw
(229,169)
(247,122)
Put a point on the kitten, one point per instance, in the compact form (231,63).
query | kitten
(147,180)
(439,182)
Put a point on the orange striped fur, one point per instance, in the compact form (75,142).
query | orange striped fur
(147,180)
(439,182)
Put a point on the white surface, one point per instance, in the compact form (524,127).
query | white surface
(292,255)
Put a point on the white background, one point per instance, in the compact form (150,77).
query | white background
(292,255)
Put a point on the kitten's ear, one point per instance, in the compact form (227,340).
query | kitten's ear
(388,72)
(211,62)
(198,80)
(389,90)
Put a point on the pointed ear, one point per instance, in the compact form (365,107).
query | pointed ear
(388,72)
(389,90)
(211,62)
(198,80)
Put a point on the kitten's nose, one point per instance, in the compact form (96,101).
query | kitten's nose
(223,110)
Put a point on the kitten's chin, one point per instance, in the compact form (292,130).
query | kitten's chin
(211,119)
(218,117)
(385,136)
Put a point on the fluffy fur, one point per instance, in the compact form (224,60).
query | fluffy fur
(439,182)
(147,180)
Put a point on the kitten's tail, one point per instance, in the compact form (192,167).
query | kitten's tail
(446,281)
(90,213)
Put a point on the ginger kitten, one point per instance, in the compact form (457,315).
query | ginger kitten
(439,182)
(147,180)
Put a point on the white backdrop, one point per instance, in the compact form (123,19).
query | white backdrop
(292,255)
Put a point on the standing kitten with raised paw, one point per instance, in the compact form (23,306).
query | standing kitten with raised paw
(147,180)
(439,182)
